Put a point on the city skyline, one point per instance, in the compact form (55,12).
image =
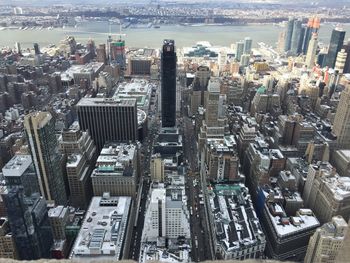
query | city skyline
(228,148)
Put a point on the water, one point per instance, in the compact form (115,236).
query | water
(153,37)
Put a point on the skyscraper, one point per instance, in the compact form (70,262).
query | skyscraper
(29,224)
(341,125)
(168,83)
(248,42)
(313,26)
(311,51)
(336,43)
(43,144)
(289,33)
(326,242)
(341,60)
(296,36)
(36,49)
(108,119)
(346,47)
(239,50)
(118,52)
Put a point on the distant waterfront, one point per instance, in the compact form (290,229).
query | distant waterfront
(153,37)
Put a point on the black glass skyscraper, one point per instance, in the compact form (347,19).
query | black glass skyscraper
(337,41)
(168,83)
(289,33)
(29,223)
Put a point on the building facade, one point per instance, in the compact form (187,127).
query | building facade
(43,144)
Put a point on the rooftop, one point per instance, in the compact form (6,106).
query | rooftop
(104,228)
(235,221)
(17,165)
(93,102)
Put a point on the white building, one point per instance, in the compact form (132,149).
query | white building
(325,244)
(166,216)
(105,232)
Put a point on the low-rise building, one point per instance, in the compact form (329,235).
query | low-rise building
(236,230)
(105,232)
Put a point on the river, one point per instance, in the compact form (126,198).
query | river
(153,37)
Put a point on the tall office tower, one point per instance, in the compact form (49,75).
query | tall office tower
(81,155)
(58,217)
(341,125)
(20,171)
(118,52)
(335,45)
(43,144)
(311,51)
(313,26)
(296,36)
(29,224)
(248,42)
(281,41)
(289,33)
(327,241)
(341,60)
(101,53)
(239,50)
(157,168)
(7,242)
(36,49)
(108,119)
(346,47)
(199,86)
(168,83)
(18,48)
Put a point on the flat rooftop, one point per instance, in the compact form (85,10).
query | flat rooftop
(103,231)
(103,102)
(235,221)
(17,165)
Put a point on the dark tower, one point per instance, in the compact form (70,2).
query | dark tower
(337,41)
(168,80)
(36,49)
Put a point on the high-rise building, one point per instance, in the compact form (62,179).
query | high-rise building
(326,242)
(43,145)
(36,49)
(166,216)
(248,42)
(20,171)
(239,50)
(341,60)
(326,193)
(81,155)
(296,36)
(335,45)
(101,53)
(313,26)
(58,217)
(311,51)
(117,170)
(29,224)
(108,119)
(157,168)
(346,47)
(289,33)
(341,125)
(168,83)
(118,52)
